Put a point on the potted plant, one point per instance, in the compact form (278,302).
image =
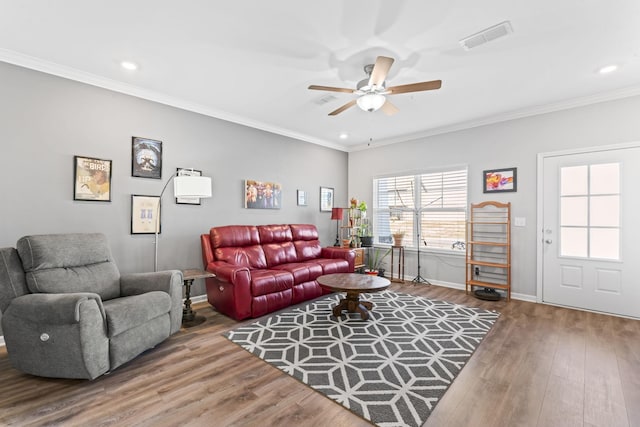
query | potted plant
(374,261)
(398,236)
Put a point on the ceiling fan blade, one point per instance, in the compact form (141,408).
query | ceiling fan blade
(331,89)
(344,107)
(380,70)
(388,108)
(415,87)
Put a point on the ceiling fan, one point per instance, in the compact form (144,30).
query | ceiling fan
(372,90)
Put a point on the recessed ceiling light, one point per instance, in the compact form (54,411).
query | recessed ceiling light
(128,65)
(608,69)
(344,135)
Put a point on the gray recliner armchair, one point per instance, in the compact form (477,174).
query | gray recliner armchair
(68,313)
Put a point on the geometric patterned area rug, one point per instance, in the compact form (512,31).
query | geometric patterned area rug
(391,369)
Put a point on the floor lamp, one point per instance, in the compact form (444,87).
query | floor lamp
(336,213)
(183,186)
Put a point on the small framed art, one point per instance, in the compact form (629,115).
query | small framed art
(146,158)
(91,179)
(188,200)
(145,214)
(326,199)
(500,180)
(302,197)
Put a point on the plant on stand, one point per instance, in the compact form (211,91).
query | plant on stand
(374,261)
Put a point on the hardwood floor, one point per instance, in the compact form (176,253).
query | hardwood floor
(539,366)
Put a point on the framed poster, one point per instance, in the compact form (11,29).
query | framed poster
(91,179)
(146,158)
(326,199)
(500,180)
(145,214)
(302,197)
(188,200)
(262,194)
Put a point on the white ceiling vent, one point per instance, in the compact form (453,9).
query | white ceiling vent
(487,35)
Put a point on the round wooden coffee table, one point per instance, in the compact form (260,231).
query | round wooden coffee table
(353,284)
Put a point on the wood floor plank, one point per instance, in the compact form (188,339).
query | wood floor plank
(538,366)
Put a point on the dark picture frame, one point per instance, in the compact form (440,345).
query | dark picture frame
(500,180)
(145,214)
(91,179)
(146,158)
(326,199)
(188,200)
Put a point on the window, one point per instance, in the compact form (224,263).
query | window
(590,211)
(436,213)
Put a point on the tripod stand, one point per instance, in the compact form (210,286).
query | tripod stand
(419,278)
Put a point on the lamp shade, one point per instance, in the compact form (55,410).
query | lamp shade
(192,186)
(371,101)
(336,213)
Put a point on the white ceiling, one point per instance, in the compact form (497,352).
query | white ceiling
(251,61)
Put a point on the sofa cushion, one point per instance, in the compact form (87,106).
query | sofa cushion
(234,235)
(129,312)
(274,233)
(307,250)
(269,281)
(302,271)
(279,253)
(62,263)
(247,256)
(304,232)
(330,266)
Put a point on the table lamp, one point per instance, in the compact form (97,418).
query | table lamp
(336,213)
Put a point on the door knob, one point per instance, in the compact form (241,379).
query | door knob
(548,241)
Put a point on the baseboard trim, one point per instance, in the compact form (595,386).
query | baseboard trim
(461,287)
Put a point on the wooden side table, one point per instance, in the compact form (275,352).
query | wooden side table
(400,250)
(189,317)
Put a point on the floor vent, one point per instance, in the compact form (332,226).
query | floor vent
(488,34)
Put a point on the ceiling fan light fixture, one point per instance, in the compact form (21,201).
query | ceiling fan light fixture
(371,102)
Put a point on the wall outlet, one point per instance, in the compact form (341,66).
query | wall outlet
(477,271)
(520,221)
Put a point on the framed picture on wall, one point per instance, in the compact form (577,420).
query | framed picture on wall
(262,194)
(326,199)
(146,158)
(302,197)
(145,214)
(188,200)
(91,179)
(500,180)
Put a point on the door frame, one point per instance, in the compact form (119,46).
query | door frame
(540,204)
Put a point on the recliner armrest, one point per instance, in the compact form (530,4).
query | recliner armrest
(226,272)
(168,281)
(57,309)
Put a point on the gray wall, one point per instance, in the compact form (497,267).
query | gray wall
(46,120)
(514,143)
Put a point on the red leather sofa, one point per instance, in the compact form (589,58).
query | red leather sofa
(261,269)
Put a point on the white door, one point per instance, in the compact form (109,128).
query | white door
(591,230)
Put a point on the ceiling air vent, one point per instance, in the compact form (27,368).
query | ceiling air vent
(324,99)
(486,35)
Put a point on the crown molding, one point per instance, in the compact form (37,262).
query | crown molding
(511,115)
(70,73)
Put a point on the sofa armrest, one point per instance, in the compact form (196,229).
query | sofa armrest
(53,309)
(230,291)
(169,281)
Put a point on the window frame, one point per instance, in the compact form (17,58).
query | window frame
(381,214)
